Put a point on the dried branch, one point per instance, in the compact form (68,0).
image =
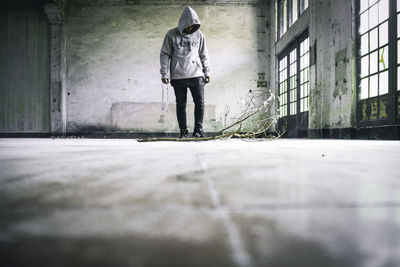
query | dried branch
(255,116)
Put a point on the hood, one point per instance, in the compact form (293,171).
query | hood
(188,17)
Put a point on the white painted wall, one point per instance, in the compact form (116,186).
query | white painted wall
(113,57)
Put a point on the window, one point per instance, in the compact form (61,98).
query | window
(293,82)
(304,75)
(288,12)
(378,62)
(294,90)
(374,48)
(283,87)
(398,45)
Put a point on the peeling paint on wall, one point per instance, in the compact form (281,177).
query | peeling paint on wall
(113,56)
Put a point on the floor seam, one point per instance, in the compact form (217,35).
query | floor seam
(240,255)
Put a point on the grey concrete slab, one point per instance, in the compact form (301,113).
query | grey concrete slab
(99,202)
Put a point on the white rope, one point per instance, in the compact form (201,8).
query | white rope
(162,96)
(164,93)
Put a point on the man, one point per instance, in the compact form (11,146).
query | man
(184,62)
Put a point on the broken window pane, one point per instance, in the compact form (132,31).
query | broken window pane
(373,85)
(383,83)
(364,89)
(383,58)
(373,16)
(364,66)
(383,10)
(383,34)
(373,39)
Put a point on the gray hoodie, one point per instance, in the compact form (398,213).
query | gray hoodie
(183,55)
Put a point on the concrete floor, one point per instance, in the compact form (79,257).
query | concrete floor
(88,202)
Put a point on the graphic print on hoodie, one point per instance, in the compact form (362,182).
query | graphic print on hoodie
(183,55)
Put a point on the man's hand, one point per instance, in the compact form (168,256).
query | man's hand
(165,80)
(207,79)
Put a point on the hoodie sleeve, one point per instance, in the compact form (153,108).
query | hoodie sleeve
(165,56)
(204,56)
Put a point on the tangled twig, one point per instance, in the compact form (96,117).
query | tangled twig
(254,122)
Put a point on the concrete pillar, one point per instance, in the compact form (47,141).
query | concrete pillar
(57,92)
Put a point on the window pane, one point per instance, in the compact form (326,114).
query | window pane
(293,56)
(383,58)
(363,5)
(284,16)
(373,16)
(364,66)
(305,4)
(306,103)
(306,44)
(383,10)
(373,62)
(307,88)
(364,44)
(373,39)
(383,34)
(398,25)
(364,89)
(398,5)
(383,83)
(398,52)
(398,78)
(301,63)
(301,105)
(307,74)
(307,59)
(294,10)
(371,2)
(373,85)
(364,22)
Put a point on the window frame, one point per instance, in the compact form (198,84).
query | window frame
(302,5)
(388,100)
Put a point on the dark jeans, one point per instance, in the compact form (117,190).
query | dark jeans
(196,87)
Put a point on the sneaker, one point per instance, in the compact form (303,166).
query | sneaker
(198,134)
(184,134)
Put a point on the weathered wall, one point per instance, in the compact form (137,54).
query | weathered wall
(332,72)
(24,67)
(333,80)
(113,58)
